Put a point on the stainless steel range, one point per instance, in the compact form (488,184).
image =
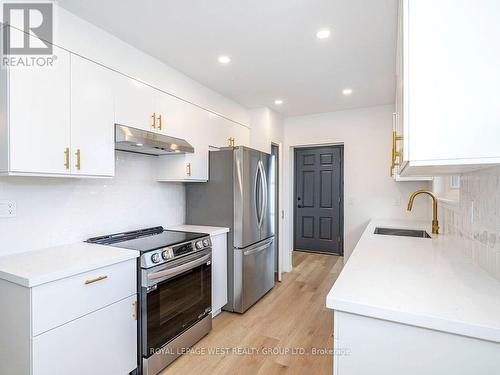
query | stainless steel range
(175,292)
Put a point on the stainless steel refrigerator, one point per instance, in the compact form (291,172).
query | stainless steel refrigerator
(240,195)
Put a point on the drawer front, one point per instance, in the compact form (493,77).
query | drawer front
(58,302)
(101,343)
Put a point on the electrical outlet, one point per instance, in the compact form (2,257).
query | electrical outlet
(8,209)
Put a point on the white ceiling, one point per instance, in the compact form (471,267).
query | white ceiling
(272,44)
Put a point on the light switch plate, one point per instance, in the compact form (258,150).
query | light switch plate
(8,209)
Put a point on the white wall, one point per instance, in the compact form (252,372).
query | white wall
(53,211)
(369,191)
(267,127)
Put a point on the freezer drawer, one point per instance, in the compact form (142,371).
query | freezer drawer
(253,273)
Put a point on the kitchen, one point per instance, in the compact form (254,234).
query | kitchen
(273,148)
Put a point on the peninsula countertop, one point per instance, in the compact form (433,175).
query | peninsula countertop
(428,283)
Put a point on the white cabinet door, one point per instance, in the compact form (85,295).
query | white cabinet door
(92,118)
(52,303)
(219,273)
(171,115)
(453,79)
(39,117)
(101,343)
(135,104)
(191,125)
(451,76)
(220,130)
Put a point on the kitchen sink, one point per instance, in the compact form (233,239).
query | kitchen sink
(402,232)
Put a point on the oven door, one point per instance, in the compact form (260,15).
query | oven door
(179,294)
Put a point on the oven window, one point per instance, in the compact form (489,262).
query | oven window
(176,305)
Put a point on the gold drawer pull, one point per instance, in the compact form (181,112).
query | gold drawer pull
(154,120)
(66,155)
(91,281)
(136,312)
(188,169)
(78,159)
(160,123)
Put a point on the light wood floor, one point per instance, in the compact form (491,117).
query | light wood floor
(292,315)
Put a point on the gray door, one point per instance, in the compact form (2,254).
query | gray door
(318,199)
(247,200)
(267,195)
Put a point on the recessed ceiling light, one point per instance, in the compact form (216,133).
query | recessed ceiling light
(347,92)
(224,59)
(278,102)
(323,34)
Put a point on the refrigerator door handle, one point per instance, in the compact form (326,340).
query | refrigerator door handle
(262,200)
(258,249)
(257,195)
(264,190)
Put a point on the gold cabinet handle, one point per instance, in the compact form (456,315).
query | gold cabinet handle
(91,281)
(188,169)
(136,312)
(78,154)
(66,156)
(231,141)
(154,120)
(160,123)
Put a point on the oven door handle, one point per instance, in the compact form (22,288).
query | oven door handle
(171,272)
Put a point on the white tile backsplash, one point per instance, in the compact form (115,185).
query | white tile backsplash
(57,211)
(476,218)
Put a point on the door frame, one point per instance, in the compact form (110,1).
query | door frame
(278,205)
(295,149)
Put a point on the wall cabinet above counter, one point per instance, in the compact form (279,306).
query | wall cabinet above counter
(447,77)
(60,121)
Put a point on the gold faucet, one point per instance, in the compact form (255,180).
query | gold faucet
(435,223)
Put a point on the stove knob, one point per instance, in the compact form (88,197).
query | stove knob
(166,255)
(155,258)
(199,245)
(206,242)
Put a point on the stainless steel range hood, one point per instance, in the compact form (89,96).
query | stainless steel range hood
(144,142)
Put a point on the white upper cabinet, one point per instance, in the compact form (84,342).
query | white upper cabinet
(135,104)
(36,117)
(92,118)
(186,121)
(450,75)
(170,115)
(58,120)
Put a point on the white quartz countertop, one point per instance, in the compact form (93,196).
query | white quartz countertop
(428,283)
(37,267)
(213,231)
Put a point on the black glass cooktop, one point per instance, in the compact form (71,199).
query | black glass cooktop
(144,240)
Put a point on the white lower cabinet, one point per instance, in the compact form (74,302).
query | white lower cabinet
(101,343)
(219,273)
(365,345)
(79,325)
